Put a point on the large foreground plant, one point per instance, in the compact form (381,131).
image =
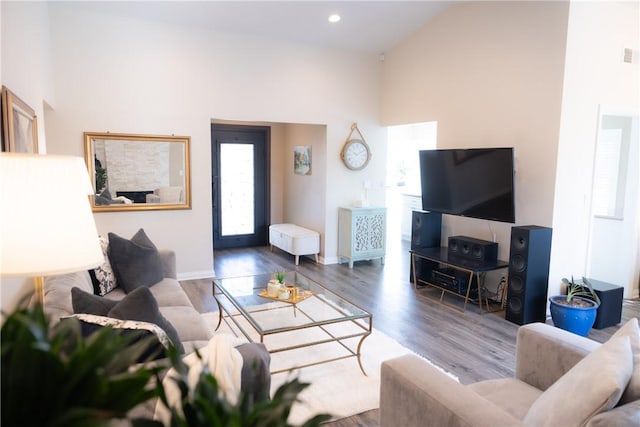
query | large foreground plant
(204,406)
(55,377)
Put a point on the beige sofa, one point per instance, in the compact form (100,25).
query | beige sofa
(545,390)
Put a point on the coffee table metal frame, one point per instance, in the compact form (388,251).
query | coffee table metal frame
(362,319)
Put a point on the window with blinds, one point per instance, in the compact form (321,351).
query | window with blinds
(609,179)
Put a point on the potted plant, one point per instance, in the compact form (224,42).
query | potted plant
(202,405)
(96,381)
(285,291)
(75,381)
(276,284)
(279,276)
(575,311)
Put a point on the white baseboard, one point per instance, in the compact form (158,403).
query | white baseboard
(321,259)
(194,275)
(210,274)
(329,260)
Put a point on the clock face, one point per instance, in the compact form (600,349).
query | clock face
(356,154)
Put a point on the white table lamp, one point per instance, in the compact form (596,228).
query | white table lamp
(46,223)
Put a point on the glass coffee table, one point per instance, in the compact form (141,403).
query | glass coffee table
(312,316)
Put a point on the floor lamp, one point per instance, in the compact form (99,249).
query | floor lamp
(46,223)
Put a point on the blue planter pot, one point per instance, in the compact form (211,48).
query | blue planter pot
(578,320)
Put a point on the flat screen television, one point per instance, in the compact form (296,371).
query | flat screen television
(474,182)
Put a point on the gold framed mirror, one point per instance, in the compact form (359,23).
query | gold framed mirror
(138,172)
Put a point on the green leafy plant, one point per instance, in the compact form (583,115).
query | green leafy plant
(101,176)
(55,377)
(279,276)
(584,289)
(202,405)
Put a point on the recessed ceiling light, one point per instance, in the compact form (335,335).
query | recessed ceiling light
(334,18)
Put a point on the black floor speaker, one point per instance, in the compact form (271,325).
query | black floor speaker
(528,274)
(426,232)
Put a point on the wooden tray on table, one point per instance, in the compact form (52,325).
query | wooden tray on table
(294,297)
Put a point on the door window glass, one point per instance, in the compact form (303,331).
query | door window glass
(237,192)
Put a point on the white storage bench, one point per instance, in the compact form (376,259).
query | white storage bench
(294,239)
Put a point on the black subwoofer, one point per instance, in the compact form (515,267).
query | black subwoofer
(530,252)
(610,310)
(426,230)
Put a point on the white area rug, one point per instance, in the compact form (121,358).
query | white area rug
(338,388)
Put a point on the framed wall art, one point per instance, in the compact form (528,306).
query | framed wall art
(302,160)
(19,125)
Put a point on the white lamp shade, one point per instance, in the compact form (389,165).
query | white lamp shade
(46,223)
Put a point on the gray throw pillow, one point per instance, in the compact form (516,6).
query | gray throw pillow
(589,393)
(84,302)
(142,306)
(632,330)
(101,201)
(106,194)
(136,262)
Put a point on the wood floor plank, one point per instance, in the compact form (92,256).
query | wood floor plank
(470,345)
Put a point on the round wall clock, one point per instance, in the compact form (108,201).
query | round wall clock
(355,154)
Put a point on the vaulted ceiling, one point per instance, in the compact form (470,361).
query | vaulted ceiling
(367,26)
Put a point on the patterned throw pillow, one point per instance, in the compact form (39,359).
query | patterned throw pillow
(135,330)
(104,281)
(156,330)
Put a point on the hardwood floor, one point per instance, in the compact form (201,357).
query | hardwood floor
(472,346)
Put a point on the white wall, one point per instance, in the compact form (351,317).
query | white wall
(613,243)
(26,57)
(127,75)
(302,190)
(490,74)
(26,71)
(595,75)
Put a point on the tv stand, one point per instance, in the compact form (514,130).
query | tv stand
(437,259)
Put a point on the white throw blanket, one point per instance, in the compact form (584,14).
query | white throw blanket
(224,363)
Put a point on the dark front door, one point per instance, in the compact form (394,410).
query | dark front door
(240,179)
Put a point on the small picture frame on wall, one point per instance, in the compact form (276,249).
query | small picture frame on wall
(19,125)
(302,160)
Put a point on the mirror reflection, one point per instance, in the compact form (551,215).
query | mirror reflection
(138,172)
